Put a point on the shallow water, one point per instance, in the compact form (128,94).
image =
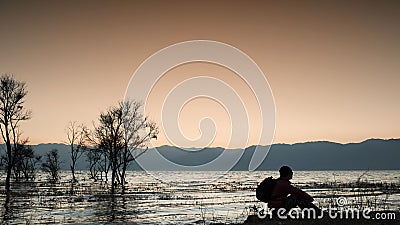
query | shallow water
(188,197)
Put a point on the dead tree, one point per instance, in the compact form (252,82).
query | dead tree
(93,156)
(12,99)
(109,135)
(121,132)
(137,132)
(76,138)
(25,162)
(52,165)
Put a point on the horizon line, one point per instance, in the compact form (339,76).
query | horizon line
(305,142)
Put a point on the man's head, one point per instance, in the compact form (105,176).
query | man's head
(286,172)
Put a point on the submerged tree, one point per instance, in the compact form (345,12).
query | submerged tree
(137,132)
(25,162)
(76,138)
(52,165)
(93,156)
(12,98)
(121,136)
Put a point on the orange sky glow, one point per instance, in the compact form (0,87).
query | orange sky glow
(333,66)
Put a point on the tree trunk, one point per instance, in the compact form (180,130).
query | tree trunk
(113,181)
(114,170)
(73,159)
(73,172)
(123,174)
(9,166)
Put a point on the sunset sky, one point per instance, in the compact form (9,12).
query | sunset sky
(333,66)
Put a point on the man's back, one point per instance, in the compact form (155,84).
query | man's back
(282,189)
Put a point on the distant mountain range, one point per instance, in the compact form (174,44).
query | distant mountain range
(372,154)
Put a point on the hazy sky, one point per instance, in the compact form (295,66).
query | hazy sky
(333,66)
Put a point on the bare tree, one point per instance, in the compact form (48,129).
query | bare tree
(52,165)
(76,138)
(121,133)
(93,156)
(109,135)
(25,162)
(12,98)
(137,132)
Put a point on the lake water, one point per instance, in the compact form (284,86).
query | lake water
(188,197)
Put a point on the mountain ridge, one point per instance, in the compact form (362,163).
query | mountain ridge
(373,154)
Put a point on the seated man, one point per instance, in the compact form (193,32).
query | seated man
(285,195)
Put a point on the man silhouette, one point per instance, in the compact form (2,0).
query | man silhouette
(285,195)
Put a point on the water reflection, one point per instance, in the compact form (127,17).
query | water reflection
(8,213)
(147,200)
(113,209)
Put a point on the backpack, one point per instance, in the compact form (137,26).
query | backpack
(265,188)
